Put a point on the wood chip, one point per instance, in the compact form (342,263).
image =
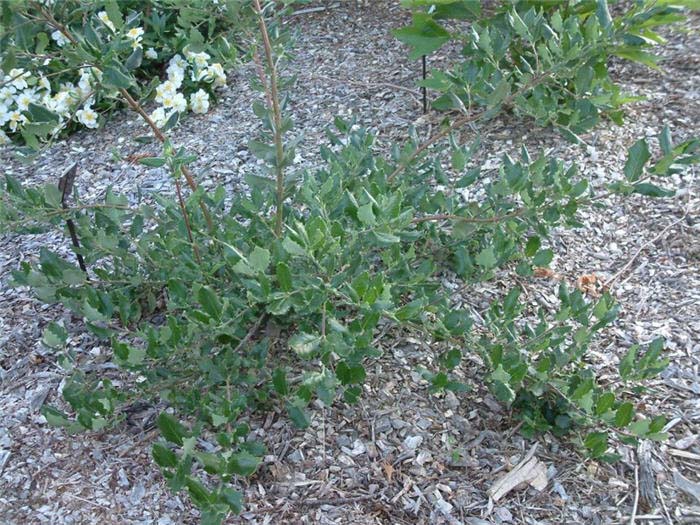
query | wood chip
(530,471)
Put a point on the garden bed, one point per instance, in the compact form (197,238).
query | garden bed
(402,455)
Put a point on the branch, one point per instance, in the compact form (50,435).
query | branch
(465,119)
(273,97)
(474,220)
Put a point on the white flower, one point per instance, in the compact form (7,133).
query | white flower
(44,84)
(216,73)
(7,94)
(176,75)
(17,120)
(168,100)
(4,114)
(151,53)
(25,98)
(165,89)
(199,101)
(135,34)
(87,117)
(59,38)
(4,139)
(102,15)
(67,87)
(60,103)
(178,61)
(200,59)
(179,103)
(199,74)
(18,78)
(160,117)
(85,84)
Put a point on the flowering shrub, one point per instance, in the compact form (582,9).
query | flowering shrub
(54,81)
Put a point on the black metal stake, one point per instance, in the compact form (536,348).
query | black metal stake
(65,186)
(425,89)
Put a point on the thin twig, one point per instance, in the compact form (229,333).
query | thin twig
(335,501)
(186,218)
(251,332)
(636,495)
(609,283)
(460,218)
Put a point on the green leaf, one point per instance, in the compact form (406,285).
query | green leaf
(638,155)
(279,382)
(209,301)
(626,366)
(52,195)
(350,374)
(259,259)
(292,248)
(113,77)
(297,415)
(134,59)
(603,13)
(153,162)
(666,141)
(637,55)
(423,36)
(501,385)
(244,463)
(284,277)
(596,443)
(171,429)
(114,14)
(652,190)
(55,335)
(533,244)
(385,239)
(624,414)
(41,114)
(499,94)
(54,417)
(451,358)
(163,456)
(543,257)
(366,215)
(304,344)
(199,493)
(173,119)
(604,403)
(232,498)
(486,258)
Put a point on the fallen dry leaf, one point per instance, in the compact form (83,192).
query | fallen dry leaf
(135,157)
(545,273)
(590,284)
(388,470)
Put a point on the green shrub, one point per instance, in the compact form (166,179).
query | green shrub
(210,300)
(547,60)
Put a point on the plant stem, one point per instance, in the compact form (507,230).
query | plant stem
(272,93)
(475,220)
(186,218)
(134,105)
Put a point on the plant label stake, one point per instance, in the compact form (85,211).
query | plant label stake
(65,186)
(425,89)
